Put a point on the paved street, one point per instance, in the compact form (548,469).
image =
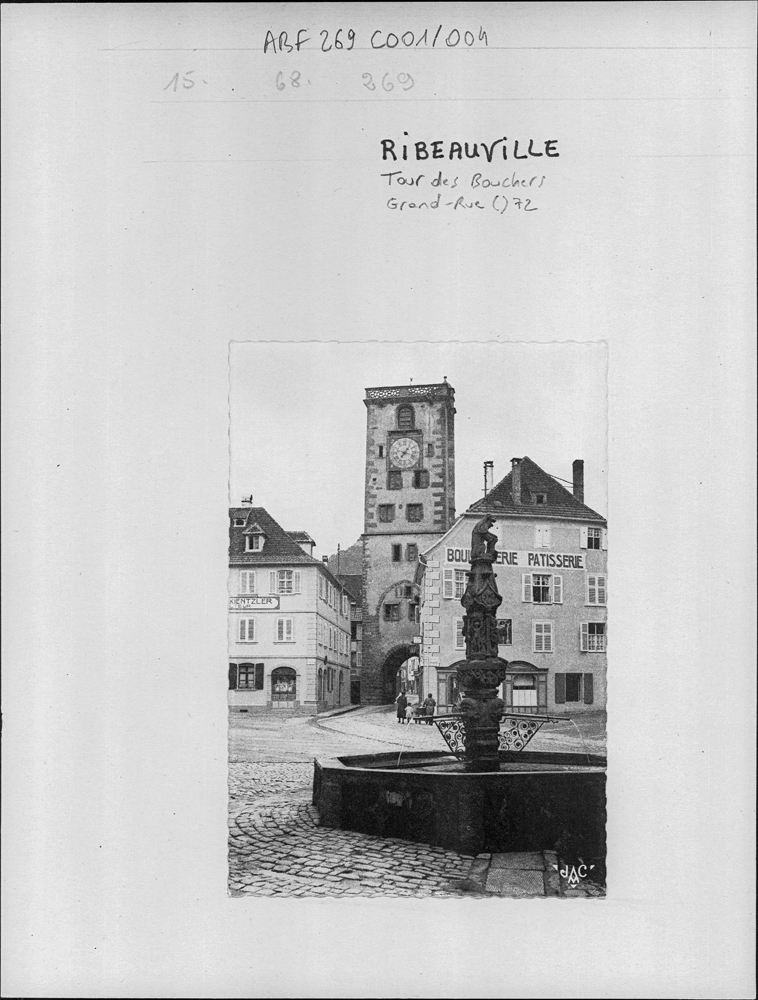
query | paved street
(276,847)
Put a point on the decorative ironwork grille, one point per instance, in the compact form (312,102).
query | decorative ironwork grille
(515,733)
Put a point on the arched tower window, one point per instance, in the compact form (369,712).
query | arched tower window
(405,418)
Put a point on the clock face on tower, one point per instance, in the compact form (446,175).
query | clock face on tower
(404,453)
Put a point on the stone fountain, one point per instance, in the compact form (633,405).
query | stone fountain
(488,793)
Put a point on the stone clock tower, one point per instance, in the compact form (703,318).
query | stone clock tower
(409,503)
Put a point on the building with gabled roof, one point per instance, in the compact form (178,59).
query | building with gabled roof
(551,573)
(289,620)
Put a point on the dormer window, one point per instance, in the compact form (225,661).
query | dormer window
(239,522)
(539,498)
(254,538)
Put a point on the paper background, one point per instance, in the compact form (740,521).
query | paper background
(126,277)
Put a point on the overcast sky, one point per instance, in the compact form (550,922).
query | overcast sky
(298,422)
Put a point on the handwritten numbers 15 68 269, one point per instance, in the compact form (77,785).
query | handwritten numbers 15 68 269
(404,81)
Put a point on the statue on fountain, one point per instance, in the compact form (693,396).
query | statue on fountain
(483,541)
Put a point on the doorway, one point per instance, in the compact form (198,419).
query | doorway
(283,687)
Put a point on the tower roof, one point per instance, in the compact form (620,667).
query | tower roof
(559,502)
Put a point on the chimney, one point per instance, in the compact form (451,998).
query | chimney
(489,476)
(578,469)
(516,479)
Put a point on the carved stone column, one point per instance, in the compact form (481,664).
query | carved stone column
(482,672)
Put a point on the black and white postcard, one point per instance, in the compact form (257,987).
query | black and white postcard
(378,540)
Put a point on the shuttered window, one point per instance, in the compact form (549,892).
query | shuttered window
(593,538)
(542,637)
(560,689)
(250,676)
(542,537)
(596,590)
(588,689)
(405,418)
(287,581)
(247,582)
(592,637)
(460,642)
(541,588)
(414,512)
(247,630)
(285,629)
(454,583)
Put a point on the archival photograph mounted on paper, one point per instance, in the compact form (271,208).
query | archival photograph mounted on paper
(417,629)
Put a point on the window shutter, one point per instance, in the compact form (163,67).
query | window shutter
(296,582)
(460,642)
(272,582)
(560,689)
(582,538)
(537,537)
(591,590)
(546,537)
(241,630)
(258,676)
(526,587)
(232,676)
(588,689)
(583,637)
(601,590)
(557,590)
(603,538)
(251,587)
(279,629)
(447,590)
(537,637)
(290,628)
(548,638)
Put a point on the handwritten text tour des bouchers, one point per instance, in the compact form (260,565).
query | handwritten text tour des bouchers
(464,192)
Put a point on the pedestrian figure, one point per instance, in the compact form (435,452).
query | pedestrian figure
(429,706)
(402,703)
(408,714)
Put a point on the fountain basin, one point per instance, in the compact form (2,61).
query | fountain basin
(536,801)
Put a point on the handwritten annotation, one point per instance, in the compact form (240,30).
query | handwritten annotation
(344,39)
(440,150)
(443,185)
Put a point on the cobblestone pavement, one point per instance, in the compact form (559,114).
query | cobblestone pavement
(277,848)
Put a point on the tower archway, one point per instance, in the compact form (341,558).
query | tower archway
(390,672)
